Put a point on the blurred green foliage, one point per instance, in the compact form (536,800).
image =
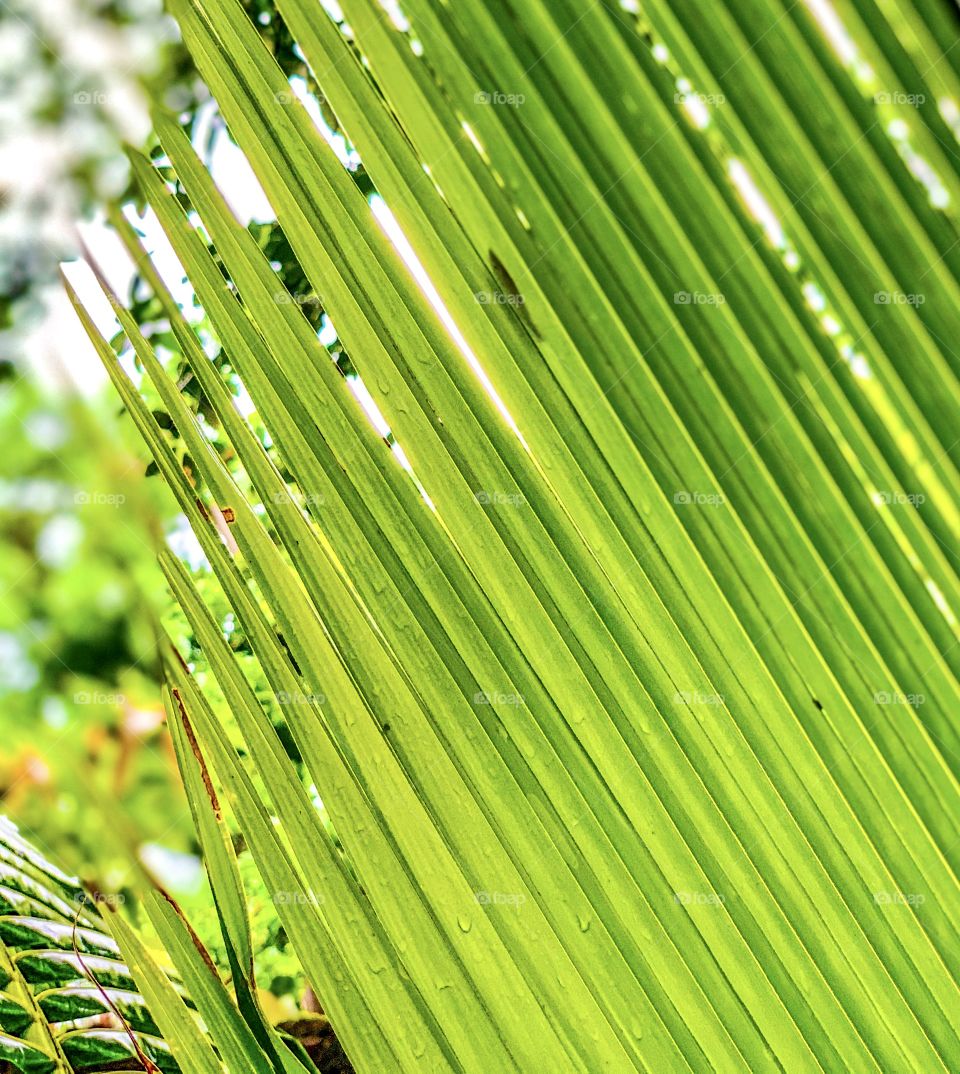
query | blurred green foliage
(86,766)
(78,670)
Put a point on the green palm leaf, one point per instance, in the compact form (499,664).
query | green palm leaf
(613,693)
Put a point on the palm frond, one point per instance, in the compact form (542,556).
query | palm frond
(631,694)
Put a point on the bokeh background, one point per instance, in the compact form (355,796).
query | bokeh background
(86,767)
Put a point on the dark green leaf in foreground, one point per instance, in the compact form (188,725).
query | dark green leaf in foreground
(67,1003)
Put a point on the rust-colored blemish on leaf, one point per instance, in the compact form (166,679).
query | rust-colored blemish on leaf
(197,942)
(182,662)
(195,749)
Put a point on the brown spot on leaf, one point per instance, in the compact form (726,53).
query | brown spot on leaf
(197,942)
(195,749)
